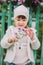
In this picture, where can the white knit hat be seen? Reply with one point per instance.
(21, 10)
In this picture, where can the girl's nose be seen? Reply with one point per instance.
(21, 21)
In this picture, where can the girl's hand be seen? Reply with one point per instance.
(30, 33)
(12, 39)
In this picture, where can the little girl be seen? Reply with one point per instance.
(20, 40)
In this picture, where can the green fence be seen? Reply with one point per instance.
(6, 20)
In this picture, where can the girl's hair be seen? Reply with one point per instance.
(22, 16)
(26, 26)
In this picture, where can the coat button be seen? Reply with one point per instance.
(19, 47)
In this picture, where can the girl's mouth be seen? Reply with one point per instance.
(20, 25)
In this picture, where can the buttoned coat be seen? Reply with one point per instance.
(10, 55)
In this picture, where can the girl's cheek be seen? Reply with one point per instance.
(25, 23)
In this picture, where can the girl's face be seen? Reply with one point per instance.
(21, 21)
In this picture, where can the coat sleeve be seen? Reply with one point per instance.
(4, 41)
(35, 44)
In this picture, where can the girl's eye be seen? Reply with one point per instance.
(18, 19)
(24, 20)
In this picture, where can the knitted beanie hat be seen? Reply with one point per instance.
(21, 10)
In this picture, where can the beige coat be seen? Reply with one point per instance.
(10, 55)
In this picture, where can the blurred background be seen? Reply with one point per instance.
(35, 21)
